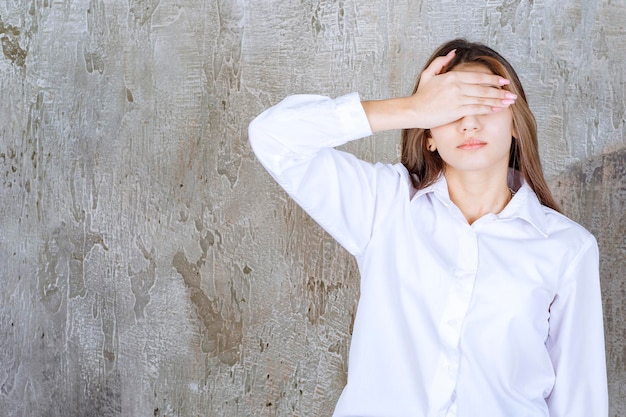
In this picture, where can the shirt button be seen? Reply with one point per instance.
(462, 274)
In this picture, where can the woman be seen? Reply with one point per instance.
(478, 298)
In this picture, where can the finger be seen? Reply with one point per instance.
(439, 63)
(480, 78)
(474, 90)
(480, 109)
(491, 103)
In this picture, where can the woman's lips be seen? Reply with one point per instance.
(472, 144)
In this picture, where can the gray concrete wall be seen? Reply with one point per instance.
(149, 265)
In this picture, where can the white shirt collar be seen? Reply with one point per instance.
(524, 205)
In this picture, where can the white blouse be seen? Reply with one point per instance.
(501, 318)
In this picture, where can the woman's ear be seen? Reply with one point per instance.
(431, 145)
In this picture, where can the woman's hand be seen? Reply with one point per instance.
(441, 99)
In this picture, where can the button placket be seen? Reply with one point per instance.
(461, 292)
(461, 285)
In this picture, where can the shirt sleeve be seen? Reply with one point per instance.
(576, 341)
(294, 141)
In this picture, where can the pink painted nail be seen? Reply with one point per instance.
(508, 102)
(504, 81)
(511, 96)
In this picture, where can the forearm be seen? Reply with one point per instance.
(390, 114)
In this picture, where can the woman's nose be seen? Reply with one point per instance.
(470, 123)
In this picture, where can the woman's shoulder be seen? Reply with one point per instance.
(567, 233)
(562, 232)
(557, 221)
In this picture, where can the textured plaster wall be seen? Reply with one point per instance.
(150, 267)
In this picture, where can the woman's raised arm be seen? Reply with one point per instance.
(440, 99)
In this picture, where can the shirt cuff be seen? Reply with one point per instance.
(352, 118)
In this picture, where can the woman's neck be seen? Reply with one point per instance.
(478, 193)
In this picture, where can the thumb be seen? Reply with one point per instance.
(438, 65)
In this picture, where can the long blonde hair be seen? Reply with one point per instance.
(524, 155)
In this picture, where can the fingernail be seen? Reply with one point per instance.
(504, 81)
(452, 52)
(496, 109)
(508, 102)
(511, 96)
